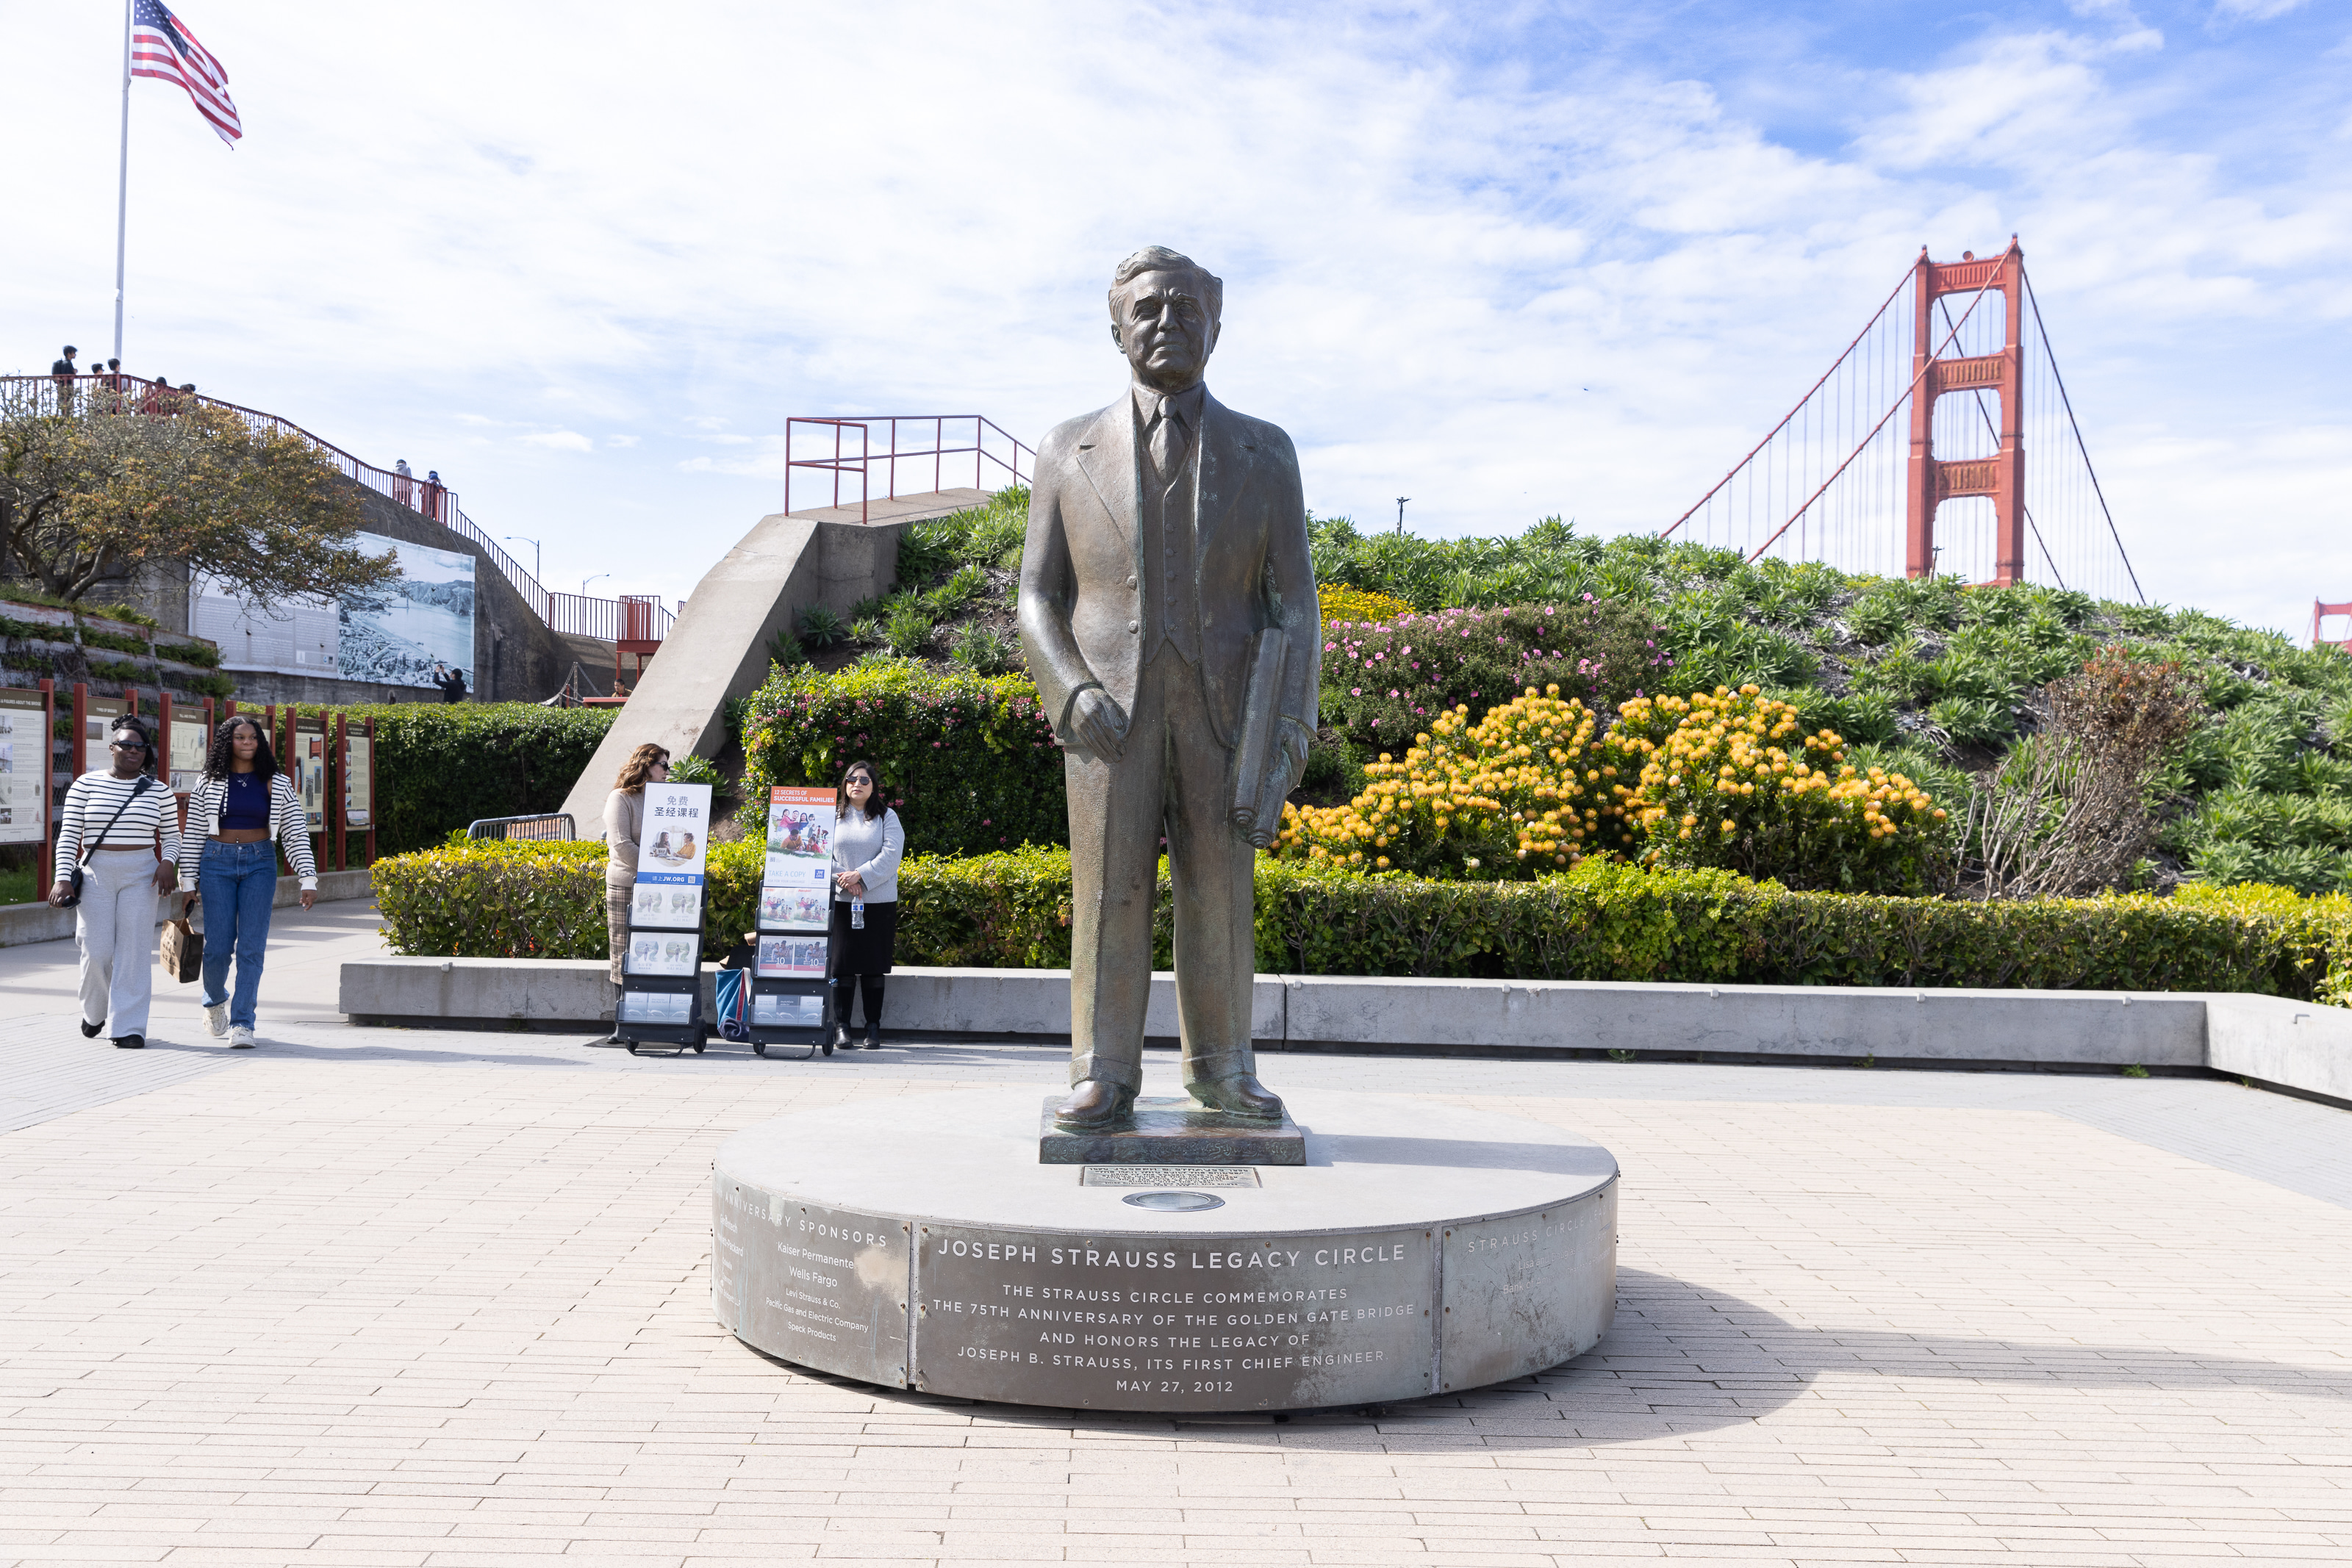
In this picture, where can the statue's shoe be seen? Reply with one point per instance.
(1237, 1095)
(1095, 1106)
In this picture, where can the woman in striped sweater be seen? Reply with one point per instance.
(242, 809)
(116, 829)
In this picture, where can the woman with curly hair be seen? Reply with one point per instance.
(624, 822)
(243, 808)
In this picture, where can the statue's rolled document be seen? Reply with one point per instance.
(1261, 768)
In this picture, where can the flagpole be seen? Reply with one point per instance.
(122, 186)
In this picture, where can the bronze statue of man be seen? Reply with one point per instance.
(1168, 612)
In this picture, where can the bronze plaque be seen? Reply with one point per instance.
(1529, 1291)
(1174, 1322)
(826, 1287)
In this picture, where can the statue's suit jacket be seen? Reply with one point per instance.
(1084, 621)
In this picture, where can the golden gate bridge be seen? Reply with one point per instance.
(1942, 441)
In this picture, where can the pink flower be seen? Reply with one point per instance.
(1355, 691)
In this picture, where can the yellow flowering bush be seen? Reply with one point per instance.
(1723, 779)
(1515, 793)
(1338, 602)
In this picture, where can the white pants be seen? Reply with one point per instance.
(114, 925)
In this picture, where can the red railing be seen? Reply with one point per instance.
(570, 612)
(990, 443)
(2321, 611)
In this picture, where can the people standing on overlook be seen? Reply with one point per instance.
(404, 488)
(245, 808)
(624, 821)
(115, 833)
(867, 844)
(62, 375)
(433, 494)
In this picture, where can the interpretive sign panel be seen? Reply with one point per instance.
(359, 781)
(1528, 1292)
(191, 740)
(829, 1285)
(1171, 1323)
(798, 876)
(23, 767)
(98, 714)
(671, 846)
(309, 766)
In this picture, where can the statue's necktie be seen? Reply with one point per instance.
(1167, 440)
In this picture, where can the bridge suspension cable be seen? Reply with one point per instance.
(1990, 458)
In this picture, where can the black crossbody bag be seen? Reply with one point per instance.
(90, 846)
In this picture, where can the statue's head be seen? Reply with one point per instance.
(1164, 309)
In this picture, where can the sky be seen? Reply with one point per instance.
(1509, 260)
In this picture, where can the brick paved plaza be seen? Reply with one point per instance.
(371, 1296)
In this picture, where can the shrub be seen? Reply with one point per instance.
(969, 761)
(1711, 789)
(908, 627)
(820, 627)
(440, 766)
(1602, 920)
(1386, 680)
(1505, 796)
(1338, 602)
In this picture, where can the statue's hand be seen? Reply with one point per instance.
(1097, 725)
(1295, 739)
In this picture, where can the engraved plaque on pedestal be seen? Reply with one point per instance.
(728, 1204)
(828, 1285)
(1529, 1291)
(1169, 1323)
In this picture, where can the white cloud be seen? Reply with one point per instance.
(631, 224)
(2255, 10)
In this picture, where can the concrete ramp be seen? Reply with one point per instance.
(718, 647)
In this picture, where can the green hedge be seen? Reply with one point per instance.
(969, 762)
(440, 766)
(1599, 921)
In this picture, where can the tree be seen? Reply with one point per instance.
(92, 496)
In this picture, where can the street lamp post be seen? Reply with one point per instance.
(527, 539)
(1401, 501)
(586, 580)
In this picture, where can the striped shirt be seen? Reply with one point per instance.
(145, 821)
(289, 824)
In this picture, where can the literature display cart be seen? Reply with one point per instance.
(661, 972)
(791, 945)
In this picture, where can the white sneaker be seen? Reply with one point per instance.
(240, 1038)
(216, 1019)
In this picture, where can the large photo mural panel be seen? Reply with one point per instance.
(396, 634)
(399, 632)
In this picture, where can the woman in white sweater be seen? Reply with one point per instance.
(241, 811)
(867, 844)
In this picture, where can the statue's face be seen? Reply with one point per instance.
(1165, 329)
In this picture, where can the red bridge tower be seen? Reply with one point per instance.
(1932, 480)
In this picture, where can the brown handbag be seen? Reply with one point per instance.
(184, 950)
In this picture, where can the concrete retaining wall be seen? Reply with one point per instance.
(2294, 1046)
(23, 923)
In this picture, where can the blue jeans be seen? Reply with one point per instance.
(238, 883)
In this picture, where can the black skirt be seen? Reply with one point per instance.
(866, 952)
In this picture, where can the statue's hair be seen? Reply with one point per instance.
(1160, 258)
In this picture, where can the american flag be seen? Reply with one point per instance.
(163, 47)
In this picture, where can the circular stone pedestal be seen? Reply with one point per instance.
(917, 1242)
